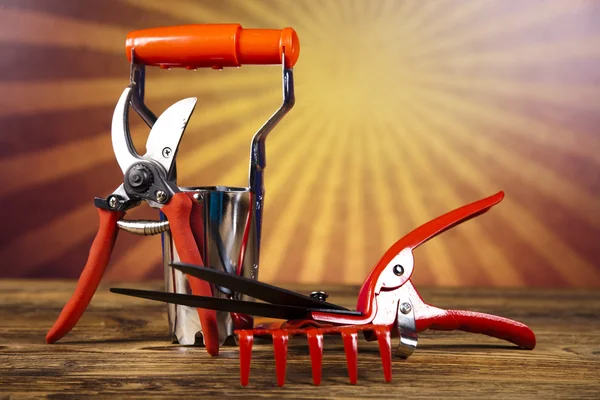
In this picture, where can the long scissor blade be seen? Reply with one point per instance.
(256, 289)
(165, 136)
(240, 306)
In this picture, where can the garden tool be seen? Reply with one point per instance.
(388, 306)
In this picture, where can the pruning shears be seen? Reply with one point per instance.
(146, 179)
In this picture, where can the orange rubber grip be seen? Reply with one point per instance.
(90, 276)
(178, 212)
(215, 46)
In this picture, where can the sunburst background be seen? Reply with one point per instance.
(405, 110)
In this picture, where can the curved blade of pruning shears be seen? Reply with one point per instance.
(165, 136)
(163, 140)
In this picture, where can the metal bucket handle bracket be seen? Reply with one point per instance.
(258, 160)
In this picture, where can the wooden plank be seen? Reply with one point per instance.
(121, 348)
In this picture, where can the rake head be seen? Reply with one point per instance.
(314, 334)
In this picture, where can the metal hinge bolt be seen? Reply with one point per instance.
(405, 308)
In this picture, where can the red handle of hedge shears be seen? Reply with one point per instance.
(474, 322)
(90, 277)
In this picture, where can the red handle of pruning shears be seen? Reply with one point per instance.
(212, 45)
(90, 277)
(178, 212)
(474, 322)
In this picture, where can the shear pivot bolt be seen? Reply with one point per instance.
(405, 308)
(140, 178)
(161, 196)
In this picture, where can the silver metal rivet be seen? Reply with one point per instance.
(112, 202)
(319, 295)
(198, 197)
(161, 196)
(398, 270)
(405, 308)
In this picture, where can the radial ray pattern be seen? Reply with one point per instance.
(404, 110)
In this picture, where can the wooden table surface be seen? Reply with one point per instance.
(121, 348)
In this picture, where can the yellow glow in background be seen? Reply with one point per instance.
(404, 111)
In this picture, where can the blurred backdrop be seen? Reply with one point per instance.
(405, 109)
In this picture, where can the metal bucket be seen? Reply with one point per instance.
(223, 221)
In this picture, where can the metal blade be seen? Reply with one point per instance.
(240, 306)
(165, 136)
(121, 138)
(256, 289)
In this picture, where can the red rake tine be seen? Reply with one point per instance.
(246, 338)
(350, 338)
(280, 348)
(385, 350)
(315, 346)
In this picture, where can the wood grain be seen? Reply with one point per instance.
(121, 348)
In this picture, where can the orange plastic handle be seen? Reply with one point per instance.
(215, 46)
(178, 212)
(90, 276)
